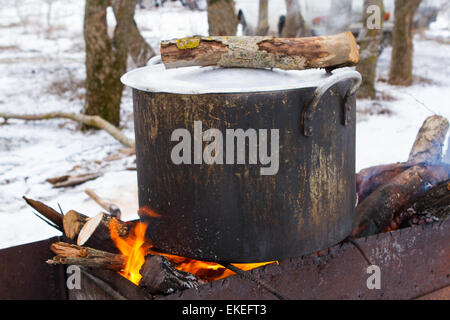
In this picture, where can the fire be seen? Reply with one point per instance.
(135, 247)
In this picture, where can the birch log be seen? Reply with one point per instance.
(262, 52)
(430, 141)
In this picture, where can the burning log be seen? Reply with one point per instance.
(158, 275)
(429, 141)
(380, 208)
(262, 52)
(370, 179)
(384, 192)
(434, 205)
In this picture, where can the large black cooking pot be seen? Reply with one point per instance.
(231, 212)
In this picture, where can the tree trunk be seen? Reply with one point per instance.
(106, 58)
(139, 50)
(370, 40)
(402, 42)
(263, 18)
(222, 18)
(295, 24)
(339, 19)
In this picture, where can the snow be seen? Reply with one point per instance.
(41, 67)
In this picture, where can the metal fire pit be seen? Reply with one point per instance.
(231, 212)
(414, 264)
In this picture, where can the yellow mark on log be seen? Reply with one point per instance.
(188, 43)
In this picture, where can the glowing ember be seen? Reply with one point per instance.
(135, 248)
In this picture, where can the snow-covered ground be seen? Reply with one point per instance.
(41, 67)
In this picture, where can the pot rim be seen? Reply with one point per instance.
(206, 80)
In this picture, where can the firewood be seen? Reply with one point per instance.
(52, 215)
(434, 205)
(380, 208)
(262, 52)
(429, 141)
(70, 254)
(96, 232)
(159, 276)
(113, 209)
(369, 179)
(73, 222)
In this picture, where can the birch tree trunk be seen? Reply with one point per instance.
(222, 18)
(402, 42)
(263, 18)
(295, 24)
(106, 58)
(370, 40)
(339, 17)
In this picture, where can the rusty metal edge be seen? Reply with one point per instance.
(414, 262)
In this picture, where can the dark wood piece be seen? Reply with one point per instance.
(370, 179)
(159, 276)
(378, 210)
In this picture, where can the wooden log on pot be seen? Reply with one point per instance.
(262, 52)
(429, 141)
(159, 276)
(379, 209)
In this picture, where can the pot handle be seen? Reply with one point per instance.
(154, 60)
(309, 111)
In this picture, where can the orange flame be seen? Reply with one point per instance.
(134, 247)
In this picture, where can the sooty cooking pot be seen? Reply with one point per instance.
(234, 212)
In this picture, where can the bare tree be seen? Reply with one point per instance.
(339, 17)
(263, 18)
(139, 50)
(222, 18)
(106, 58)
(295, 24)
(402, 42)
(370, 40)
